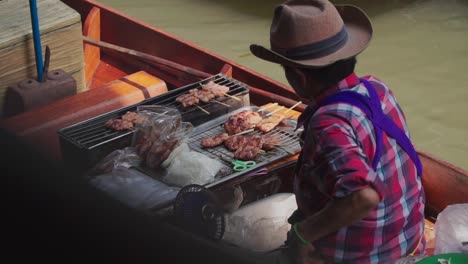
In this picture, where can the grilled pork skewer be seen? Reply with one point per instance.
(126, 121)
(241, 121)
(216, 89)
(211, 142)
(187, 100)
(207, 93)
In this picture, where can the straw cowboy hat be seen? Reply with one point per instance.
(315, 33)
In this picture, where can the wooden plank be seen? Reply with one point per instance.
(92, 54)
(15, 19)
(39, 128)
(60, 28)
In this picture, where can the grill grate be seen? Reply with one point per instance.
(289, 144)
(85, 143)
(93, 133)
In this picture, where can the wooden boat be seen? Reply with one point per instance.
(443, 182)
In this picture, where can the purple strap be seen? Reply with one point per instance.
(372, 108)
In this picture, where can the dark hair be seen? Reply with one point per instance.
(333, 73)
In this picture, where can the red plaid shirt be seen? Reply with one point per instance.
(338, 148)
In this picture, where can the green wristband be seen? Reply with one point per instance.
(303, 241)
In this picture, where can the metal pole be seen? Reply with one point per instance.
(37, 39)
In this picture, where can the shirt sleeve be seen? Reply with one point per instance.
(339, 156)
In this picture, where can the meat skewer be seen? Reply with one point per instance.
(233, 97)
(119, 124)
(126, 121)
(292, 107)
(135, 118)
(266, 107)
(187, 100)
(241, 121)
(247, 153)
(211, 142)
(270, 142)
(274, 111)
(268, 124)
(218, 102)
(207, 93)
(201, 108)
(235, 142)
(203, 95)
(216, 89)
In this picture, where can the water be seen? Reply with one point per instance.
(419, 48)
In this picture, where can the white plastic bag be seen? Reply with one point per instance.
(135, 189)
(121, 158)
(451, 230)
(262, 225)
(184, 167)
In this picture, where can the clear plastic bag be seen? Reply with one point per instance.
(451, 230)
(156, 138)
(121, 158)
(135, 189)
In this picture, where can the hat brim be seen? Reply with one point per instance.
(359, 30)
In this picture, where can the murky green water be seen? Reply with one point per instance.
(420, 49)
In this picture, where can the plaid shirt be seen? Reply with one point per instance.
(338, 148)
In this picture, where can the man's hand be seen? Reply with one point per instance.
(307, 254)
(300, 253)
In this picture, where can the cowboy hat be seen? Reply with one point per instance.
(315, 33)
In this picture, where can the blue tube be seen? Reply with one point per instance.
(37, 39)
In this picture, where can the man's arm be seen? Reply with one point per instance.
(338, 213)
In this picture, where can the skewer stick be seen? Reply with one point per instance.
(266, 107)
(233, 97)
(216, 101)
(201, 108)
(244, 132)
(292, 107)
(268, 120)
(274, 111)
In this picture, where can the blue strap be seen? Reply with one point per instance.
(372, 108)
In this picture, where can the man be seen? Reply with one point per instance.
(357, 182)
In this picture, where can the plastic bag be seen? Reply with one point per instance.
(262, 225)
(184, 167)
(159, 135)
(135, 189)
(451, 230)
(121, 158)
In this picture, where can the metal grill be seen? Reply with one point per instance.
(92, 132)
(289, 145)
(80, 140)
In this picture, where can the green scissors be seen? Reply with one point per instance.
(239, 165)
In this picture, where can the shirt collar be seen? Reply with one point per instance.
(348, 82)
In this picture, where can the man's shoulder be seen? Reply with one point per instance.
(374, 80)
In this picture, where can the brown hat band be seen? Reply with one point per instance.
(317, 49)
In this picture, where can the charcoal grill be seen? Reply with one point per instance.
(85, 143)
